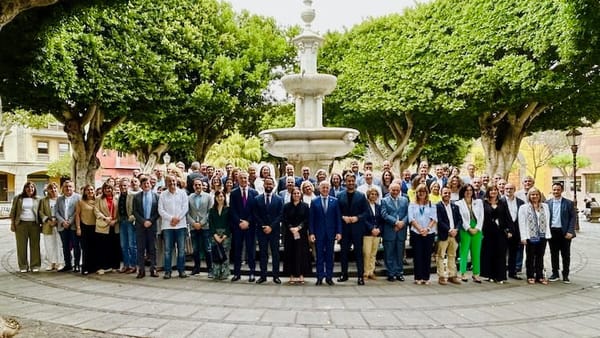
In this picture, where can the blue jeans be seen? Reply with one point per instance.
(128, 243)
(174, 237)
(201, 243)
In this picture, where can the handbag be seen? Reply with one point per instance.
(218, 253)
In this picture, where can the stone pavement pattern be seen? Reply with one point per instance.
(56, 304)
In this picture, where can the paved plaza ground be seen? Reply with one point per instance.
(114, 305)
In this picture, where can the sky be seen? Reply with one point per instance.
(331, 14)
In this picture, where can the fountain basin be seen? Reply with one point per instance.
(309, 144)
(309, 84)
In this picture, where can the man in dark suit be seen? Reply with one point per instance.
(267, 212)
(289, 172)
(562, 226)
(449, 222)
(243, 229)
(394, 210)
(354, 208)
(511, 220)
(145, 211)
(325, 225)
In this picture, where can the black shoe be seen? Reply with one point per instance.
(260, 280)
(276, 280)
(361, 281)
(66, 269)
(329, 281)
(251, 279)
(195, 272)
(400, 278)
(235, 278)
(566, 280)
(141, 275)
(167, 275)
(319, 282)
(391, 279)
(182, 275)
(554, 277)
(77, 269)
(343, 278)
(517, 277)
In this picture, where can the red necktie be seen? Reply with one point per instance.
(244, 197)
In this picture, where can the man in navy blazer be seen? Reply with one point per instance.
(562, 226)
(243, 229)
(511, 224)
(267, 212)
(145, 211)
(354, 208)
(325, 224)
(449, 222)
(394, 210)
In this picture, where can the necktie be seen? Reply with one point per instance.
(147, 205)
(324, 204)
(268, 200)
(244, 197)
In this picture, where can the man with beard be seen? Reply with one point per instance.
(267, 211)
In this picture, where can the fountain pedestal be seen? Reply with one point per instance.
(308, 143)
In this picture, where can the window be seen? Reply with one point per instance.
(42, 147)
(592, 183)
(64, 148)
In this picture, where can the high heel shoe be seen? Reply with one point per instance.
(476, 280)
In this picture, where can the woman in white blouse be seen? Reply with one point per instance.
(534, 227)
(471, 211)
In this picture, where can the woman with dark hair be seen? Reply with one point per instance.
(336, 184)
(387, 177)
(25, 224)
(455, 183)
(471, 211)
(221, 234)
(264, 172)
(534, 227)
(229, 185)
(85, 220)
(295, 225)
(52, 242)
(215, 184)
(107, 230)
(494, 243)
(422, 216)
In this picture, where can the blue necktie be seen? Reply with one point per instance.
(147, 205)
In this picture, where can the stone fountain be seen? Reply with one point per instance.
(308, 143)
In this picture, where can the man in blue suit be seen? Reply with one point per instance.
(355, 209)
(394, 210)
(267, 212)
(325, 226)
(562, 226)
(145, 211)
(243, 229)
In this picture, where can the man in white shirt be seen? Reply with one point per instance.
(172, 208)
(449, 221)
(369, 183)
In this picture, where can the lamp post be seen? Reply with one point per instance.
(574, 136)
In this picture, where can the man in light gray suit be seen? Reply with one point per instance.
(197, 220)
(65, 216)
(394, 210)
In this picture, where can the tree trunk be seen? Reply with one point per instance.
(9, 9)
(501, 136)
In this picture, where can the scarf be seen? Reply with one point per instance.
(536, 225)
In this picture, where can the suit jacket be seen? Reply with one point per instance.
(200, 214)
(45, 215)
(325, 225)
(511, 226)
(373, 220)
(477, 206)
(567, 215)
(101, 210)
(138, 210)
(59, 211)
(128, 206)
(237, 211)
(443, 225)
(267, 215)
(281, 183)
(391, 214)
(17, 208)
(358, 208)
(333, 192)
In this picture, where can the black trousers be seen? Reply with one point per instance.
(146, 245)
(534, 263)
(560, 246)
(352, 236)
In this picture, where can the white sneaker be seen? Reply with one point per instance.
(35, 270)
(100, 272)
(49, 268)
(23, 270)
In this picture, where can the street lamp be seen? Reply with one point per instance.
(574, 136)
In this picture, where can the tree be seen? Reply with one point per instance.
(9, 9)
(495, 69)
(93, 66)
(21, 118)
(236, 149)
(60, 167)
(542, 147)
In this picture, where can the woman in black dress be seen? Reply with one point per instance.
(494, 244)
(295, 225)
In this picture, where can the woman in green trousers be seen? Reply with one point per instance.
(471, 211)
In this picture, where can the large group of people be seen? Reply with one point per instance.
(473, 223)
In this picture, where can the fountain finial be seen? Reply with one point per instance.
(308, 14)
